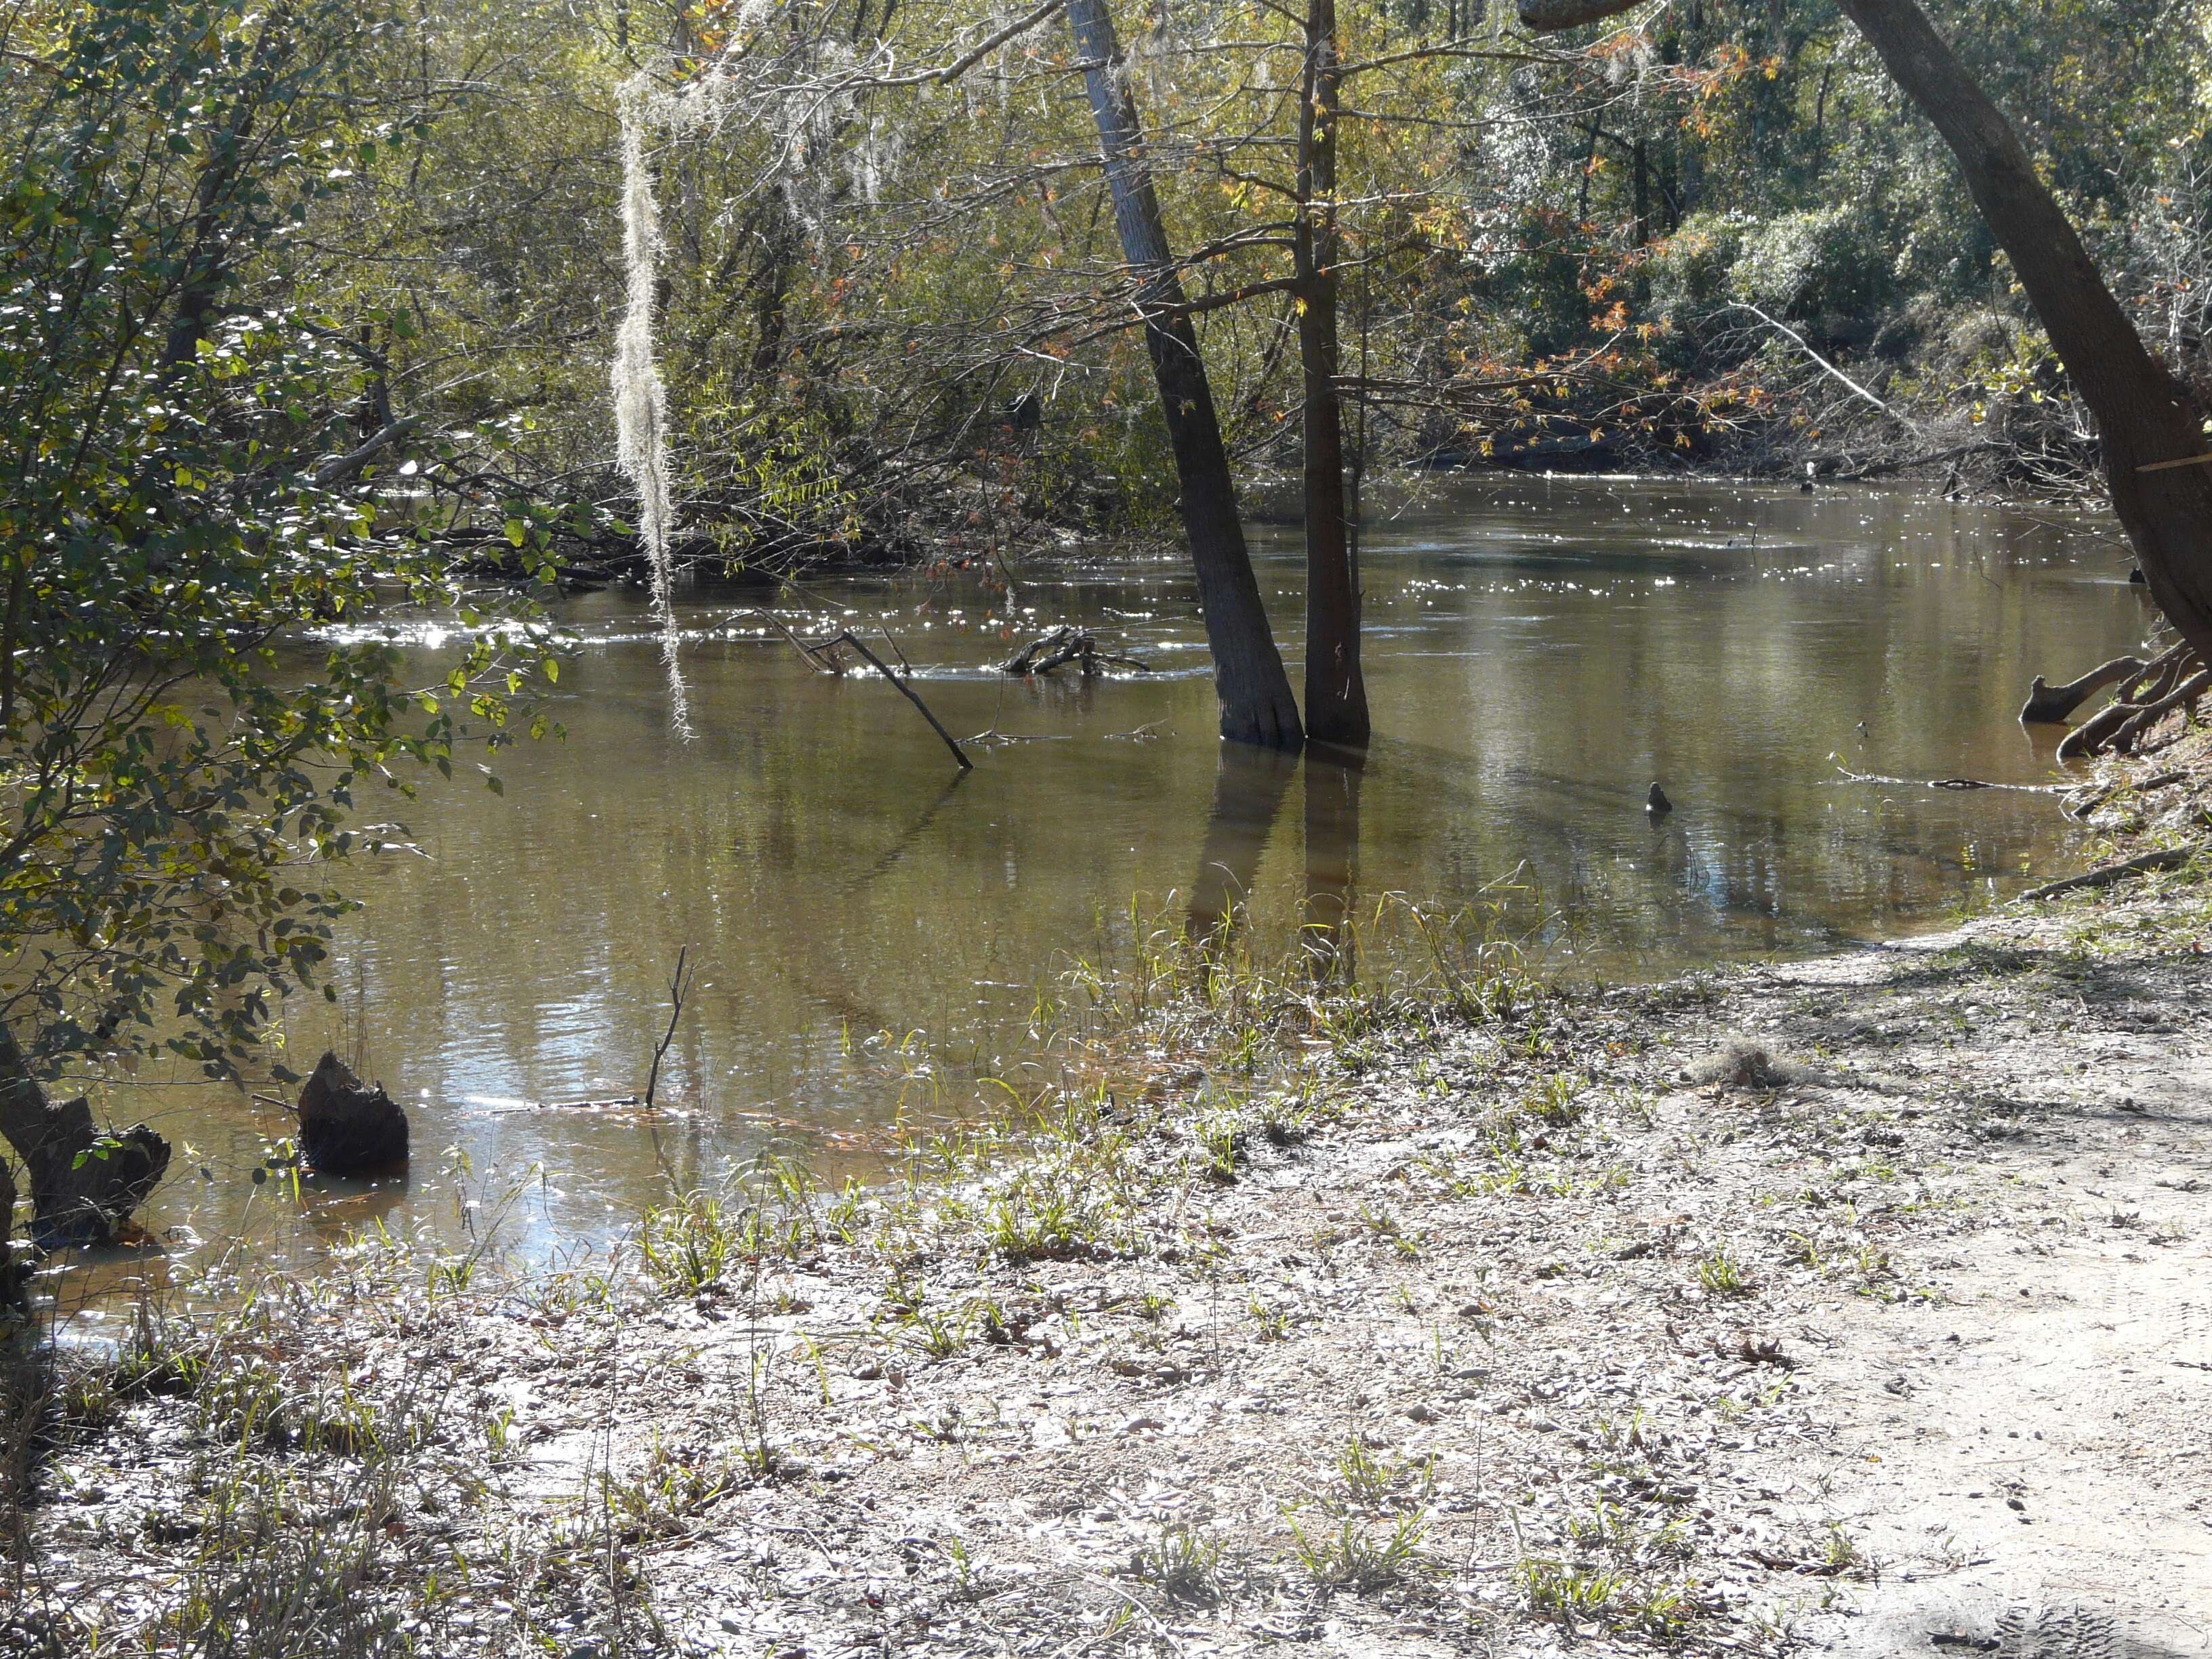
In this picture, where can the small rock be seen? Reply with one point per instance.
(346, 1127)
(1421, 1413)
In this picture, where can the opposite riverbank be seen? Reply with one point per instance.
(1850, 1305)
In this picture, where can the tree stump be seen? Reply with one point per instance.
(85, 1184)
(347, 1127)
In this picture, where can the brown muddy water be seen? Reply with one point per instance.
(1539, 653)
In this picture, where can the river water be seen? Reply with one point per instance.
(1540, 652)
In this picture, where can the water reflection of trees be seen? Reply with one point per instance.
(1249, 790)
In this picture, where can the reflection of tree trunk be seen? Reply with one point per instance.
(1247, 798)
(81, 1190)
(1336, 693)
(1332, 859)
(1257, 705)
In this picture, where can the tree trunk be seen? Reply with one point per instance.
(2144, 415)
(1336, 693)
(1254, 692)
(11, 1277)
(83, 1185)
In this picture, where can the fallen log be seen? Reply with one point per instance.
(2050, 705)
(2167, 858)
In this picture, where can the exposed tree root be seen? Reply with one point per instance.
(2050, 705)
(85, 1183)
(2176, 679)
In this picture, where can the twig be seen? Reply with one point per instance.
(679, 987)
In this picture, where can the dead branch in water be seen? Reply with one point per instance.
(1065, 644)
(1850, 776)
(822, 653)
(679, 987)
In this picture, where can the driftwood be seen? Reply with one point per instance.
(2050, 705)
(2167, 858)
(1065, 645)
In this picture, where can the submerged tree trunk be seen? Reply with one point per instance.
(1256, 704)
(2145, 418)
(1336, 693)
(84, 1185)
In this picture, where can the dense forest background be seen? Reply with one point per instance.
(885, 288)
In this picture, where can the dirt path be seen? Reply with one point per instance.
(2031, 1457)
